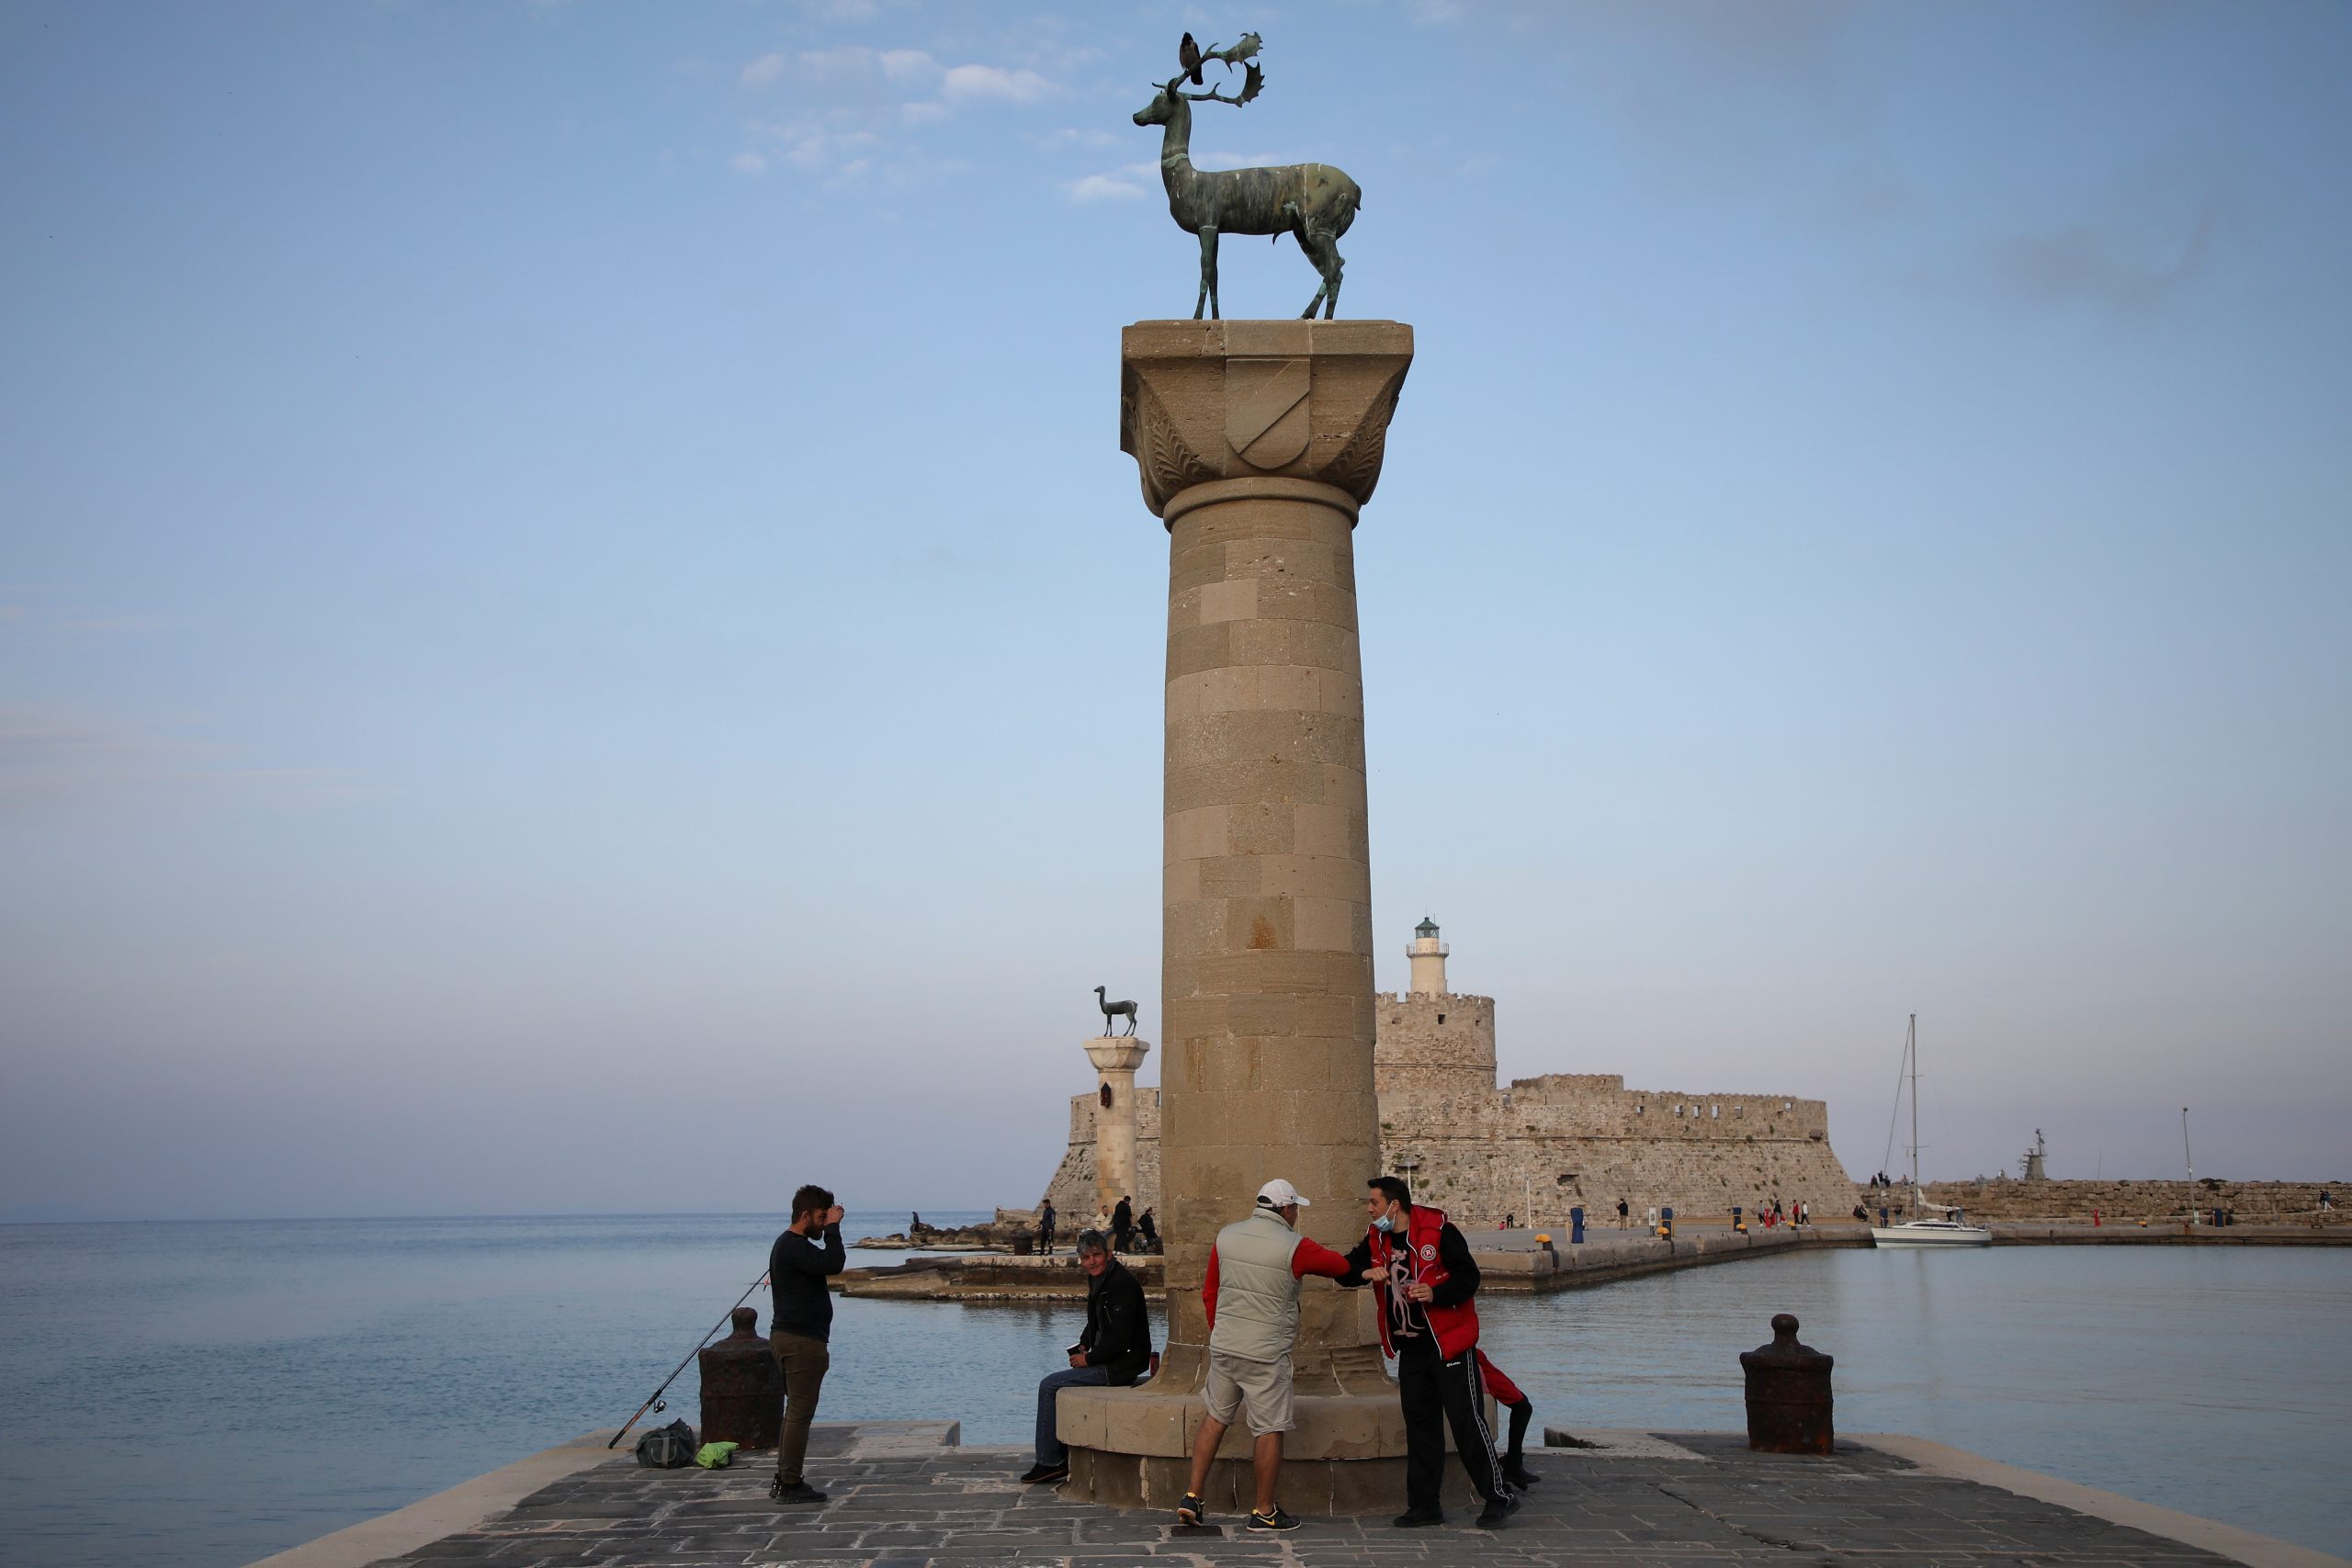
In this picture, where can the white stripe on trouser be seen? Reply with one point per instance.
(1478, 1414)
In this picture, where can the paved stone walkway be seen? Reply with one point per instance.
(899, 1501)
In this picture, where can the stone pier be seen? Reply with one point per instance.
(1258, 442)
(1115, 1059)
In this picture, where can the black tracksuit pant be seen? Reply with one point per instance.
(1434, 1393)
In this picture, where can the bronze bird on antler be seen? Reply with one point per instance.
(1313, 203)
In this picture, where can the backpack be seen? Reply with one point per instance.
(672, 1447)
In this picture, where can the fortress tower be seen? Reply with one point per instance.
(1433, 1045)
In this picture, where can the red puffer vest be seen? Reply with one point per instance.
(1456, 1326)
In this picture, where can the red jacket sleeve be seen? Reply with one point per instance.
(1208, 1289)
(1311, 1256)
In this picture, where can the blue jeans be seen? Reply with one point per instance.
(1049, 1443)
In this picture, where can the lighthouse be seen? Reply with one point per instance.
(1427, 955)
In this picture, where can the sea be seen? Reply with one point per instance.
(201, 1394)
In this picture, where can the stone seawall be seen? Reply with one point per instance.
(2127, 1203)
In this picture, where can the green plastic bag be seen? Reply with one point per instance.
(716, 1456)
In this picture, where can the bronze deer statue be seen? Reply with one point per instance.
(1313, 202)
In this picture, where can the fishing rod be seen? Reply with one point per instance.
(654, 1402)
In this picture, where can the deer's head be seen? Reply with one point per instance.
(1162, 107)
(1166, 97)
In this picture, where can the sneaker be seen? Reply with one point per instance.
(1037, 1474)
(1493, 1515)
(1518, 1474)
(1279, 1519)
(794, 1491)
(1191, 1510)
(1414, 1518)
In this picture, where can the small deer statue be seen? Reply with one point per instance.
(1112, 1009)
(1313, 202)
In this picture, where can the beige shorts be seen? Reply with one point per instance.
(1260, 1391)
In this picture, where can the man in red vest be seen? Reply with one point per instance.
(1428, 1322)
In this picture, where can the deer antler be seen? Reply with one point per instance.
(1247, 49)
(1250, 85)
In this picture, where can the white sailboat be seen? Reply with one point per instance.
(1952, 1229)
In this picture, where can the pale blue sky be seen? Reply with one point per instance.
(576, 637)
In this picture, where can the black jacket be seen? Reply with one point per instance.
(798, 1269)
(1118, 1326)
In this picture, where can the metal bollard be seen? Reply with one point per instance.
(743, 1389)
(1788, 1394)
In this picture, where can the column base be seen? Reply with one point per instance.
(1131, 1447)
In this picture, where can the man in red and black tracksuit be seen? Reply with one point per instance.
(1429, 1321)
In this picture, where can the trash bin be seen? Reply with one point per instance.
(1738, 1223)
(1666, 1224)
(1576, 1228)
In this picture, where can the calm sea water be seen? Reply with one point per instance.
(198, 1395)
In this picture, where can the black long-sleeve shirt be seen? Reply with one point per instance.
(798, 1269)
(1409, 1319)
(1118, 1325)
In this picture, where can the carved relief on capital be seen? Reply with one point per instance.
(1163, 461)
(1203, 401)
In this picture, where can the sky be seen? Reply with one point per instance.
(574, 635)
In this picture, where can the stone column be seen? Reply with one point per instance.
(1258, 442)
(1115, 1059)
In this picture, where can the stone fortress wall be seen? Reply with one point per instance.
(1539, 1146)
(1072, 1187)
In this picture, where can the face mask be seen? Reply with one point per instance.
(1385, 1222)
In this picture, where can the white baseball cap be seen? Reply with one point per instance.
(1280, 1194)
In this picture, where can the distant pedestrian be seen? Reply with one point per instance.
(1251, 1298)
(800, 1327)
(1149, 1230)
(1123, 1225)
(1046, 1228)
(1113, 1351)
(1621, 1213)
(2325, 1202)
(1511, 1223)
(915, 1227)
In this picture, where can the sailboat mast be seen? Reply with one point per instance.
(1918, 1199)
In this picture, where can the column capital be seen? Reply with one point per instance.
(1206, 402)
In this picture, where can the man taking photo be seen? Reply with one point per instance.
(1428, 1322)
(804, 1258)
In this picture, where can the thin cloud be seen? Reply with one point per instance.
(54, 757)
(2123, 265)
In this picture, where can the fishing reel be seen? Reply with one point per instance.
(660, 1406)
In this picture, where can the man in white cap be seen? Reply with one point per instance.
(1251, 1296)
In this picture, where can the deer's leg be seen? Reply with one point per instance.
(1317, 246)
(1208, 273)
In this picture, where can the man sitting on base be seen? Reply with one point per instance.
(1112, 1351)
(1251, 1297)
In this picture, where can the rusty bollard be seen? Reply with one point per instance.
(1788, 1394)
(742, 1392)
